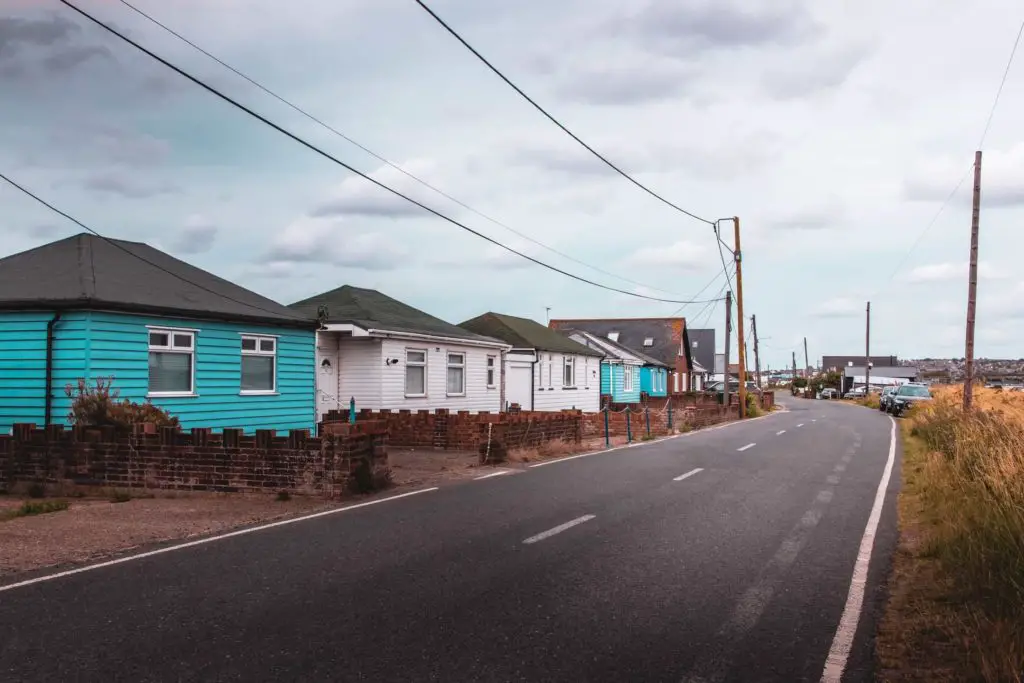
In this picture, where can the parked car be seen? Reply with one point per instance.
(858, 392)
(886, 398)
(829, 394)
(908, 396)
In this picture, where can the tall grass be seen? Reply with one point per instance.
(972, 487)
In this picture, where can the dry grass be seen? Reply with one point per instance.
(957, 604)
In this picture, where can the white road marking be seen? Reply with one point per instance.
(210, 539)
(800, 425)
(814, 419)
(780, 432)
(558, 529)
(842, 643)
(743, 448)
(689, 474)
(832, 479)
(493, 474)
(841, 467)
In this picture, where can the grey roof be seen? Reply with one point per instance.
(371, 309)
(704, 353)
(620, 350)
(523, 333)
(89, 272)
(900, 371)
(667, 334)
(840, 362)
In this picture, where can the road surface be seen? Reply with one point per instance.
(721, 555)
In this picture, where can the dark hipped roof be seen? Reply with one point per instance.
(523, 333)
(89, 272)
(619, 349)
(370, 309)
(666, 333)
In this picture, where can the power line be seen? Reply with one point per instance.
(999, 92)
(352, 169)
(112, 243)
(718, 238)
(710, 282)
(554, 120)
(380, 157)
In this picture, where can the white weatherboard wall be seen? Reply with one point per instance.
(478, 395)
(360, 369)
(551, 395)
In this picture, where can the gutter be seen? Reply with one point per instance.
(48, 396)
(390, 334)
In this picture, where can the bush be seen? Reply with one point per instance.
(753, 405)
(99, 406)
(36, 490)
(121, 496)
(29, 508)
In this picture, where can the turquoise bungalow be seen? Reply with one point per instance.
(653, 376)
(621, 369)
(210, 352)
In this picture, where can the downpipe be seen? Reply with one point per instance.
(48, 400)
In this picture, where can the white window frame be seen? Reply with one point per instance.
(492, 372)
(416, 364)
(627, 378)
(259, 339)
(448, 365)
(171, 347)
(569, 367)
(551, 371)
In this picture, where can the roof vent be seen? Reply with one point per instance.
(614, 336)
(649, 341)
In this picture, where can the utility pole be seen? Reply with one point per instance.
(867, 353)
(728, 332)
(757, 356)
(791, 384)
(972, 287)
(741, 346)
(807, 360)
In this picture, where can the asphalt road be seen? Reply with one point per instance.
(691, 559)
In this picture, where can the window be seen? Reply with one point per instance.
(456, 374)
(694, 344)
(627, 378)
(648, 341)
(415, 372)
(614, 336)
(551, 370)
(259, 364)
(491, 363)
(171, 362)
(569, 372)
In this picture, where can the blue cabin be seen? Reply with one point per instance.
(210, 352)
(654, 379)
(621, 369)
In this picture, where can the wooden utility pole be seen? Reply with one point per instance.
(742, 350)
(793, 381)
(867, 352)
(807, 360)
(728, 333)
(972, 287)
(757, 356)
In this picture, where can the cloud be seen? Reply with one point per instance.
(74, 56)
(681, 254)
(123, 185)
(197, 236)
(624, 86)
(1002, 179)
(357, 196)
(814, 73)
(817, 218)
(102, 143)
(839, 307)
(946, 272)
(491, 257)
(16, 32)
(318, 240)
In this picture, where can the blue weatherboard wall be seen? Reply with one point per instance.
(95, 344)
(654, 381)
(612, 382)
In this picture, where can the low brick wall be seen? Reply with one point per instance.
(345, 457)
(527, 430)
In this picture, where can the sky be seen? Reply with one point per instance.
(834, 130)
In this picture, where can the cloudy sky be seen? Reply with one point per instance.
(835, 130)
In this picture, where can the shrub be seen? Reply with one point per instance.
(283, 496)
(753, 405)
(99, 405)
(36, 490)
(42, 507)
(121, 497)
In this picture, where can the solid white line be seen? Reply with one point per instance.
(749, 445)
(689, 474)
(839, 653)
(780, 432)
(814, 419)
(211, 539)
(559, 529)
(492, 474)
(800, 425)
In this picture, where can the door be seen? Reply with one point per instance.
(519, 385)
(327, 383)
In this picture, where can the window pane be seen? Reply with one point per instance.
(490, 361)
(257, 373)
(183, 341)
(455, 380)
(415, 376)
(248, 344)
(416, 356)
(158, 339)
(490, 377)
(170, 372)
(267, 345)
(455, 358)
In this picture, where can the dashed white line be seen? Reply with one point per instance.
(210, 539)
(814, 419)
(743, 448)
(800, 425)
(839, 653)
(692, 472)
(780, 432)
(558, 529)
(493, 474)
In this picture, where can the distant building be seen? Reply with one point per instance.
(837, 363)
(881, 375)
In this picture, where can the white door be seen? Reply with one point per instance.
(327, 383)
(518, 385)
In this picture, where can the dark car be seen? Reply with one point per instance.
(908, 396)
(886, 398)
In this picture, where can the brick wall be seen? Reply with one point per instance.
(344, 457)
(428, 429)
(527, 430)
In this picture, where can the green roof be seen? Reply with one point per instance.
(372, 310)
(523, 333)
